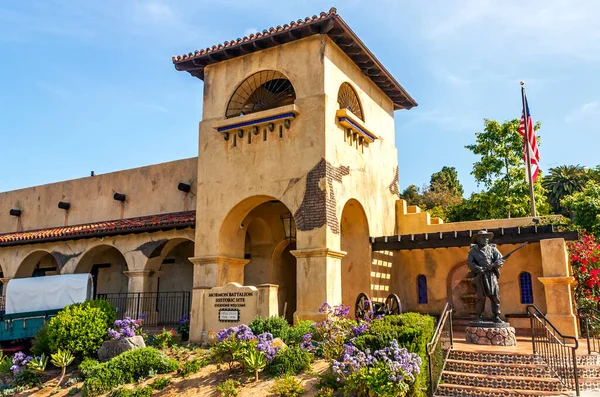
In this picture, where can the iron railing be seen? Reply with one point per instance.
(157, 308)
(439, 348)
(555, 349)
(590, 326)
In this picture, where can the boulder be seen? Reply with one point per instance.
(112, 348)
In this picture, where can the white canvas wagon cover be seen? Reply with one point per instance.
(47, 293)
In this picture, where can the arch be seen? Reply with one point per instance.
(356, 264)
(107, 265)
(526, 288)
(348, 99)
(460, 289)
(262, 90)
(422, 289)
(233, 230)
(40, 262)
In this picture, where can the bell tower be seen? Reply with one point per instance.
(299, 116)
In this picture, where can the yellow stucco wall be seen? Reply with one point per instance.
(150, 190)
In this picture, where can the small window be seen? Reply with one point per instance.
(526, 288)
(348, 99)
(421, 289)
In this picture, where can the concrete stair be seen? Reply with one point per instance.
(492, 374)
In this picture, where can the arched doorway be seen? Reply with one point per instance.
(38, 264)
(265, 236)
(107, 265)
(356, 265)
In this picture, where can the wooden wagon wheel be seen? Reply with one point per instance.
(392, 305)
(363, 306)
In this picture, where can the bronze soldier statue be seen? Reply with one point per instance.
(485, 262)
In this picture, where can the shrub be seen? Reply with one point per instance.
(385, 372)
(121, 392)
(412, 331)
(73, 391)
(229, 388)
(106, 307)
(294, 334)
(191, 367)
(183, 329)
(164, 339)
(160, 383)
(145, 391)
(81, 329)
(276, 326)
(325, 392)
(127, 368)
(288, 386)
(233, 344)
(41, 342)
(87, 366)
(292, 361)
(27, 378)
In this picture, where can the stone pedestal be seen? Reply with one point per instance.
(491, 334)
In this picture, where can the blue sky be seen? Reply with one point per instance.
(89, 85)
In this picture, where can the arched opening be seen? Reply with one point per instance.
(256, 230)
(526, 288)
(356, 265)
(175, 282)
(38, 264)
(263, 90)
(107, 265)
(348, 99)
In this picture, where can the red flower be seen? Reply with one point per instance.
(590, 283)
(585, 262)
(596, 298)
(594, 259)
(583, 269)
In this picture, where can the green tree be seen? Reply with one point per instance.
(443, 191)
(501, 170)
(563, 181)
(585, 207)
(447, 180)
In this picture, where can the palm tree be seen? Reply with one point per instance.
(562, 181)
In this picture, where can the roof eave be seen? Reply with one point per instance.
(334, 26)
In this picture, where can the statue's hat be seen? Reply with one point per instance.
(482, 233)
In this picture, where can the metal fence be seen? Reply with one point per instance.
(157, 308)
(439, 348)
(554, 348)
(590, 328)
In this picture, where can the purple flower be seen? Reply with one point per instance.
(360, 329)
(241, 333)
(125, 328)
(325, 308)
(265, 345)
(341, 311)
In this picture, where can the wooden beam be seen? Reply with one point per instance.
(513, 235)
(336, 32)
(327, 26)
(344, 41)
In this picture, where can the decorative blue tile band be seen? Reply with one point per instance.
(259, 121)
(347, 120)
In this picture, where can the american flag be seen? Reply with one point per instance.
(530, 143)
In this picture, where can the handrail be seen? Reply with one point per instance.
(437, 349)
(585, 314)
(552, 346)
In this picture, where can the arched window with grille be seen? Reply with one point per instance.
(526, 288)
(267, 89)
(421, 289)
(348, 99)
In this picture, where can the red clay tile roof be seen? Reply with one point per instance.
(142, 224)
(329, 23)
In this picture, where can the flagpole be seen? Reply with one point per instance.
(528, 151)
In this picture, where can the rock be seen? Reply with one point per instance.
(498, 340)
(279, 343)
(112, 348)
(484, 341)
(481, 332)
(497, 336)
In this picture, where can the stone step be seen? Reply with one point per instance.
(505, 369)
(589, 383)
(494, 357)
(453, 390)
(502, 381)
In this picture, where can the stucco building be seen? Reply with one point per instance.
(295, 185)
